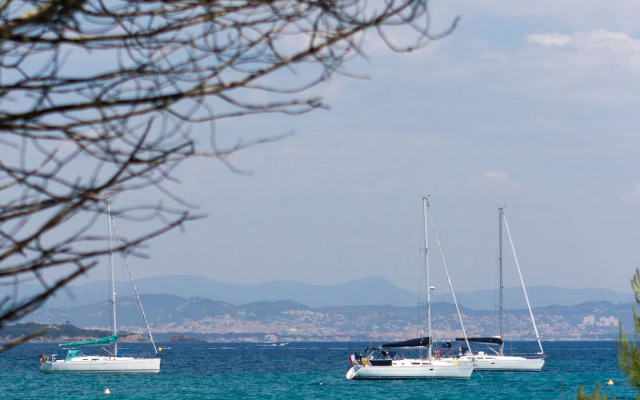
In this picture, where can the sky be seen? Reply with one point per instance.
(529, 105)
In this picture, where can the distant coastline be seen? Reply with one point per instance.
(288, 311)
(61, 333)
(69, 333)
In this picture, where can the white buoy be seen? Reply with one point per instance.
(107, 391)
(610, 382)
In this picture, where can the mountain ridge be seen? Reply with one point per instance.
(359, 292)
(295, 321)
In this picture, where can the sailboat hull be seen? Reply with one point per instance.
(503, 363)
(103, 364)
(411, 369)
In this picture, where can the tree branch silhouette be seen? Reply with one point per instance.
(106, 98)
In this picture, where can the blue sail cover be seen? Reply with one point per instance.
(104, 340)
(488, 340)
(417, 342)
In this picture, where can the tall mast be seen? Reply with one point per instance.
(425, 204)
(500, 216)
(112, 297)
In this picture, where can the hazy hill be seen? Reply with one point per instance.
(159, 309)
(60, 333)
(539, 296)
(174, 310)
(378, 292)
(214, 319)
(438, 307)
(266, 309)
(163, 310)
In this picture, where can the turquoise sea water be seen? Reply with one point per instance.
(306, 371)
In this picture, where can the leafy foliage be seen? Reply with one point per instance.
(628, 355)
(596, 395)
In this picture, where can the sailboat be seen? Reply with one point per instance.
(383, 363)
(77, 361)
(497, 360)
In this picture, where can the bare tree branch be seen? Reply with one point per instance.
(23, 339)
(100, 98)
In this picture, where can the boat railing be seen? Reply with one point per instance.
(526, 354)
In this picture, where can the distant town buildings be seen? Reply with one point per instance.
(590, 320)
(273, 321)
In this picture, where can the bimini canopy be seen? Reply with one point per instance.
(104, 340)
(488, 340)
(417, 342)
(74, 353)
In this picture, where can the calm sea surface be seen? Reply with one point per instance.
(306, 371)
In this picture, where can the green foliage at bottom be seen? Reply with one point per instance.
(628, 354)
(596, 395)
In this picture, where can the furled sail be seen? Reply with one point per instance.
(417, 342)
(489, 340)
(104, 340)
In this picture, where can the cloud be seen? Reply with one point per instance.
(575, 14)
(592, 68)
(597, 67)
(553, 39)
(633, 196)
(497, 182)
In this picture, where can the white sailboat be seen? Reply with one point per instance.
(382, 363)
(77, 361)
(497, 360)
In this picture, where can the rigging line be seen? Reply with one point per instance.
(446, 270)
(479, 264)
(135, 289)
(526, 297)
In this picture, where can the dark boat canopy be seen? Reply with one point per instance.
(489, 340)
(417, 342)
